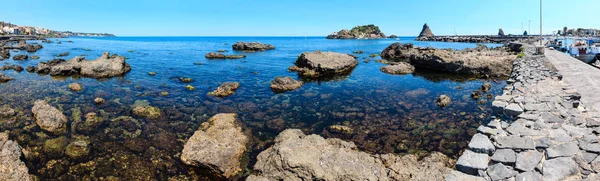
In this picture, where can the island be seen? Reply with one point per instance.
(359, 32)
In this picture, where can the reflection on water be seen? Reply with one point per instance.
(388, 113)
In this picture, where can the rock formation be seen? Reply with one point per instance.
(213, 55)
(218, 145)
(319, 64)
(225, 89)
(426, 32)
(398, 68)
(296, 156)
(392, 36)
(11, 166)
(500, 32)
(283, 84)
(20, 57)
(49, 118)
(4, 78)
(105, 66)
(252, 46)
(358, 32)
(481, 61)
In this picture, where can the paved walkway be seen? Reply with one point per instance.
(581, 76)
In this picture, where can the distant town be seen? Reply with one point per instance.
(7, 28)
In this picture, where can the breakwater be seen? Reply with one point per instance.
(542, 130)
(475, 38)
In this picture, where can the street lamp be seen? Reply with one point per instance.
(541, 22)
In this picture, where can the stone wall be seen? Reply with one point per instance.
(541, 131)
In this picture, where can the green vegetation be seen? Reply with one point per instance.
(369, 29)
(520, 55)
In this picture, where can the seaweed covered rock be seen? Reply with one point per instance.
(49, 118)
(213, 55)
(252, 46)
(283, 84)
(319, 64)
(20, 57)
(296, 156)
(105, 66)
(149, 112)
(218, 145)
(358, 32)
(398, 68)
(225, 89)
(11, 166)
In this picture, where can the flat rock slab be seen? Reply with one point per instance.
(513, 109)
(515, 142)
(481, 144)
(559, 168)
(459, 176)
(527, 160)
(505, 156)
(529, 176)
(500, 171)
(470, 162)
(562, 150)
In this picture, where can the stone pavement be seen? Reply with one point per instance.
(581, 76)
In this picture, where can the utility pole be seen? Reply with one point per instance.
(541, 23)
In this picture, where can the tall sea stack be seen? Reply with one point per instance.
(426, 32)
(500, 32)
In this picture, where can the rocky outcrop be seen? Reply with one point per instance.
(213, 55)
(500, 32)
(23, 45)
(425, 32)
(105, 66)
(252, 46)
(49, 118)
(225, 89)
(321, 64)
(392, 36)
(20, 57)
(398, 68)
(358, 32)
(11, 166)
(284, 84)
(481, 61)
(16, 68)
(218, 145)
(296, 156)
(4, 78)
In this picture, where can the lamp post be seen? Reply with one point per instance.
(541, 22)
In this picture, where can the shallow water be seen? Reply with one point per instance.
(389, 113)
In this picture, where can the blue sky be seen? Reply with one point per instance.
(297, 17)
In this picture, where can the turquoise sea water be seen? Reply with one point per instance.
(388, 113)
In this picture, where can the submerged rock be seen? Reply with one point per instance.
(255, 46)
(4, 78)
(443, 100)
(99, 100)
(35, 57)
(225, 89)
(296, 156)
(49, 118)
(340, 129)
(147, 111)
(78, 149)
(213, 55)
(76, 87)
(20, 57)
(398, 68)
(63, 54)
(11, 166)
(358, 32)
(6, 111)
(55, 147)
(218, 145)
(318, 64)
(30, 69)
(283, 84)
(105, 66)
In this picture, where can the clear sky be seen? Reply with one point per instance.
(297, 17)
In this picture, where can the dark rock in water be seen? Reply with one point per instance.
(500, 32)
(16, 68)
(318, 64)
(476, 94)
(20, 57)
(213, 55)
(12, 168)
(443, 100)
(4, 54)
(105, 66)
(284, 84)
(49, 118)
(4, 78)
(255, 46)
(359, 32)
(296, 156)
(225, 89)
(481, 61)
(486, 87)
(426, 32)
(392, 36)
(63, 54)
(398, 68)
(218, 145)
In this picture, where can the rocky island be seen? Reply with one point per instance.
(359, 32)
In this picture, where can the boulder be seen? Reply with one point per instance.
(500, 171)
(213, 55)
(4, 78)
(358, 32)
(105, 66)
(321, 64)
(471, 162)
(11, 166)
(397, 51)
(219, 144)
(481, 143)
(20, 57)
(559, 168)
(225, 89)
(443, 100)
(426, 32)
(99, 100)
(76, 87)
(398, 68)
(296, 156)
(528, 160)
(284, 84)
(252, 46)
(49, 118)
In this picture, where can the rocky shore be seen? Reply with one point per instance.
(481, 61)
(11, 166)
(358, 32)
(500, 39)
(105, 66)
(542, 131)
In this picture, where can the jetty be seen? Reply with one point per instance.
(476, 38)
(546, 124)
